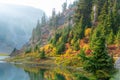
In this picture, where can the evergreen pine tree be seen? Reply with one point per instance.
(103, 13)
(106, 20)
(82, 17)
(54, 18)
(79, 29)
(100, 63)
(76, 45)
(84, 9)
(60, 47)
(42, 54)
(43, 20)
(116, 16)
(100, 4)
(64, 6)
(55, 39)
(118, 39)
(110, 38)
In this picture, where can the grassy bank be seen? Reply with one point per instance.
(3, 54)
(48, 61)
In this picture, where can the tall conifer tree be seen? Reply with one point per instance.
(100, 63)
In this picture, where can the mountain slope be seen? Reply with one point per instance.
(16, 24)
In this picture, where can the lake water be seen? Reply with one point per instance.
(21, 72)
(29, 72)
(3, 57)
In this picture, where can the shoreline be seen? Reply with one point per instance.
(44, 63)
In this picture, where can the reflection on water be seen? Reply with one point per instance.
(47, 75)
(55, 73)
(22, 72)
(27, 72)
(10, 72)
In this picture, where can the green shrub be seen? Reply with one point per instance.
(42, 54)
(28, 50)
(60, 48)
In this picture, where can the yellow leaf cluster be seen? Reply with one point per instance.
(86, 47)
(72, 41)
(60, 39)
(87, 32)
(68, 52)
(49, 49)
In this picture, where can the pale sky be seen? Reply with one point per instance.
(46, 5)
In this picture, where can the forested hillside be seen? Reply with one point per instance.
(47, 28)
(90, 16)
(68, 32)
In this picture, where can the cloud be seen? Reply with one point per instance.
(46, 5)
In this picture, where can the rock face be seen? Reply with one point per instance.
(117, 63)
(15, 52)
(41, 34)
(16, 25)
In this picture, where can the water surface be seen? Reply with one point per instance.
(29, 72)
(3, 57)
(11, 72)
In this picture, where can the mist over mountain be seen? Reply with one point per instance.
(16, 24)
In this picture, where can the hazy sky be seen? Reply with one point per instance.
(46, 5)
